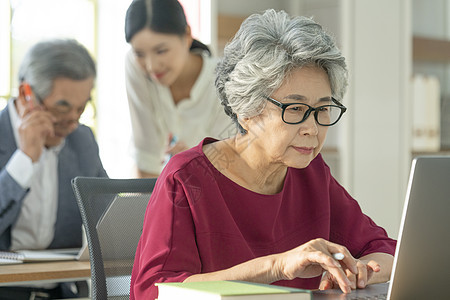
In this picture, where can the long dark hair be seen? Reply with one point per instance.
(163, 16)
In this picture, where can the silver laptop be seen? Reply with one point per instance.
(422, 261)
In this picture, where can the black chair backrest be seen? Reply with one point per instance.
(112, 211)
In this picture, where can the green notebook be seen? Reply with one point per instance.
(229, 290)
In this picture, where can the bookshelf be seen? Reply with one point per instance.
(432, 56)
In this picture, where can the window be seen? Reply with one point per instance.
(5, 53)
(198, 15)
(25, 22)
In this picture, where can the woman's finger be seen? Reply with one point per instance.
(344, 256)
(328, 263)
(327, 281)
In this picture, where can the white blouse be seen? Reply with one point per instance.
(154, 114)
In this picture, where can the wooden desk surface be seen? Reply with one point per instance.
(54, 271)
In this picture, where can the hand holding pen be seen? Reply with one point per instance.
(175, 146)
(36, 124)
(27, 92)
(358, 280)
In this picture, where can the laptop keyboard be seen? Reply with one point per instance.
(375, 297)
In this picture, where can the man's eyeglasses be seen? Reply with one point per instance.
(60, 108)
(296, 113)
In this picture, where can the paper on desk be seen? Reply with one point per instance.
(48, 255)
(6, 261)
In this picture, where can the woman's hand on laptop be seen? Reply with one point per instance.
(372, 268)
(358, 280)
(313, 258)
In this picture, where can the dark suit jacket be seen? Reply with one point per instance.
(78, 157)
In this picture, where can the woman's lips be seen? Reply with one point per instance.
(159, 75)
(304, 150)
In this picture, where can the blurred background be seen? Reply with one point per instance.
(398, 54)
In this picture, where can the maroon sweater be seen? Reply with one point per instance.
(200, 221)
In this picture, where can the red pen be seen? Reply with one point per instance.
(27, 92)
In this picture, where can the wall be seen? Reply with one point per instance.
(245, 8)
(376, 156)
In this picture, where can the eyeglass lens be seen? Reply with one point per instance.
(325, 115)
(64, 108)
(60, 109)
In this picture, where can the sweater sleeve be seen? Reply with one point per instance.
(352, 228)
(167, 251)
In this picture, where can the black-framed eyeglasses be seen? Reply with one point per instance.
(296, 113)
(61, 107)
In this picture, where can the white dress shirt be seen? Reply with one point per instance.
(34, 228)
(154, 114)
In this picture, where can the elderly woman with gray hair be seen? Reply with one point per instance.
(263, 206)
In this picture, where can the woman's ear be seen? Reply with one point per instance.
(243, 122)
(188, 35)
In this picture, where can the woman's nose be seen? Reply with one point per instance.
(148, 64)
(151, 63)
(309, 126)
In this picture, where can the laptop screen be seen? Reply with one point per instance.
(422, 264)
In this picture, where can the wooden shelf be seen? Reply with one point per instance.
(444, 152)
(227, 26)
(431, 50)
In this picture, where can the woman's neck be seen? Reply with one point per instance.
(181, 88)
(242, 162)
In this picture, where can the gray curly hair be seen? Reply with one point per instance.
(264, 51)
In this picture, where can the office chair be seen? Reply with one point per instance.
(112, 211)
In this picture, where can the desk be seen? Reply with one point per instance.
(44, 271)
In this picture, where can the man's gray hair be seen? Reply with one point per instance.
(52, 59)
(264, 51)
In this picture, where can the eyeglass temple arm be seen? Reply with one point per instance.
(338, 103)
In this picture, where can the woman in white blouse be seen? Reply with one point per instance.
(170, 85)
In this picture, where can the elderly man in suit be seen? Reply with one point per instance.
(42, 148)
